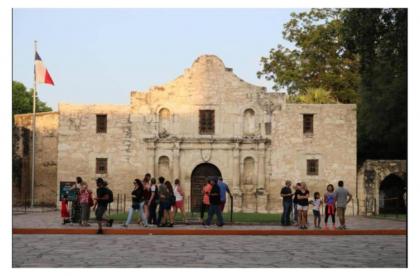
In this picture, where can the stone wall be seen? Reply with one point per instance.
(46, 142)
(369, 178)
(159, 133)
(333, 143)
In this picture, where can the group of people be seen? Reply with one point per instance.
(297, 202)
(156, 203)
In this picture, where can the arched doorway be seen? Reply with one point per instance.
(199, 177)
(391, 195)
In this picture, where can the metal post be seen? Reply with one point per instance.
(124, 204)
(118, 202)
(33, 134)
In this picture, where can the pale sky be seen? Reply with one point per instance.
(101, 55)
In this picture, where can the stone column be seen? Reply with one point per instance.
(236, 178)
(261, 192)
(175, 163)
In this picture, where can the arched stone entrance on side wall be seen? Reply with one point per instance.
(198, 178)
(371, 176)
(391, 194)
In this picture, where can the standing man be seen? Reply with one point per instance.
(103, 197)
(286, 194)
(214, 205)
(223, 187)
(343, 198)
(75, 203)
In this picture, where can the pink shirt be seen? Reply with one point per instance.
(206, 191)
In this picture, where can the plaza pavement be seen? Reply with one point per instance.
(208, 251)
(91, 250)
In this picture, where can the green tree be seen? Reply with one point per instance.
(313, 96)
(22, 100)
(379, 37)
(318, 60)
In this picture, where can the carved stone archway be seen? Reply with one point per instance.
(371, 175)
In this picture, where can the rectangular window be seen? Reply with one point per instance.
(312, 167)
(206, 122)
(268, 128)
(308, 123)
(101, 165)
(101, 123)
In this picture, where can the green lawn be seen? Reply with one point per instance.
(237, 217)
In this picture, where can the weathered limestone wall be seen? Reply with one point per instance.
(159, 133)
(333, 143)
(369, 178)
(45, 158)
(80, 145)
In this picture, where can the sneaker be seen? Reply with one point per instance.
(344, 227)
(220, 225)
(205, 225)
(171, 225)
(124, 225)
(99, 231)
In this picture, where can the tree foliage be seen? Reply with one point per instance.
(22, 100)
(318, 60)
(313, 96)
(379, 37)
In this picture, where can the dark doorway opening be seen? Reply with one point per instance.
(199, 177)
(392, 195)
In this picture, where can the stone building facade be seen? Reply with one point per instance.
(208, 121)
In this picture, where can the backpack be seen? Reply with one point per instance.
(110, 196)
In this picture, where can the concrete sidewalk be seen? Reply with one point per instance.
(50, 223)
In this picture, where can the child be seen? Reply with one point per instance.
(64, 210)
(317, 202)
(329, 199)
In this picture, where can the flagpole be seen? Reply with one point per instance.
(33, 134)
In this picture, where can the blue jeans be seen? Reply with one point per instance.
(141, 212)
(214, 209)
(287, 209)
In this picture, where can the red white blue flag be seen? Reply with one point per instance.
(41, 72)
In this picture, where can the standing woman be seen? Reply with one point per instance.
(85, 199)
(302, 205)
(136, 197)
(179, 199)
(205, 204)
(147, 194)
(329, 201)
(171, 203)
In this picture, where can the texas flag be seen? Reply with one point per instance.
(41, 73)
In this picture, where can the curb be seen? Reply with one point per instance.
(209, 232)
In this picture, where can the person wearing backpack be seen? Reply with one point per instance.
(104, 196)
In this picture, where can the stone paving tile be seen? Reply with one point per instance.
(208, 251)
(53, 220)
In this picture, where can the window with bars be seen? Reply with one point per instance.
(312, 167)
(101, 165)
(101, 123)
(206, 122)
(308, 123)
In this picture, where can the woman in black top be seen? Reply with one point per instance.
(137, 197)
(302, 196)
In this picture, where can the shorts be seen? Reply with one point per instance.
(341, 211)
(179, 204)
(316, 213)
(166, 205)
(100, 211)
(302, 208)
